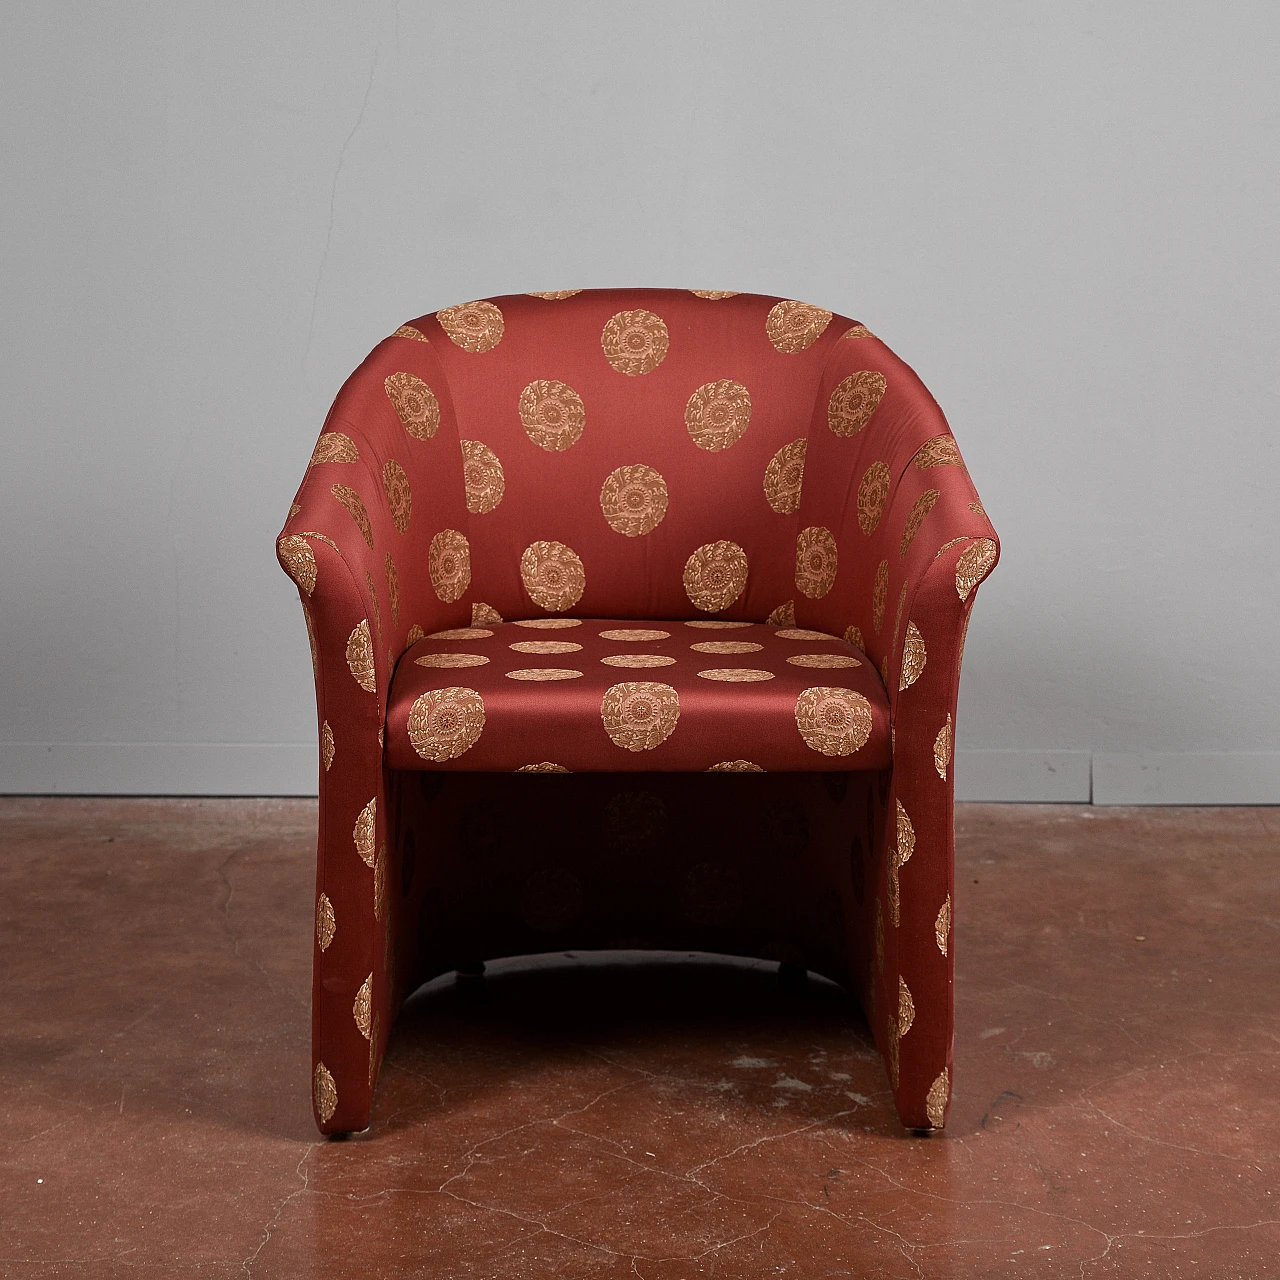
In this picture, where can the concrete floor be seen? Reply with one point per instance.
(1117, 1075)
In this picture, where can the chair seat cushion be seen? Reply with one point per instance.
(593, 695)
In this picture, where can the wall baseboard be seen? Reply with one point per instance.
(290, 769)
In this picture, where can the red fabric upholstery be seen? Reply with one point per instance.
(650, 457)
(605, 696)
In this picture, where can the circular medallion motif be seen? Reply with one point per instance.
(717, 624)
(854, 401)
(974, 564)
(461, 633)
(415, 404)
(635, 342)
(482, 475)
(360, 657)
(823, 660)
(795, 326)
(444, 723)
(800, 633)
(549, 624)
(333, 446)
(326, 922)
(484, 615)
(872, 493)
(451, 660)
(638, 660)
(634, 500)
(552, 575)
(299, 561)
(324, 1093)
(783, 616)
(735, 766)
(449, 563)
(784, 476)
(554, 295)
(736, 675)
(328, 748)
(356, 509)
(879, 596)
(726, 646)
(815, 562)
(836, 722)
(717, 414)
(941, 451)
(553, 414)
(395, 484)
(858, 331)
(545, 767)
(474, 326)
(634, 633)
(408, 331)
(715, 295)
(545, 646)
(913, 657)
(393, 587)
(854, 636)
(915, 517)
(544, 674)
(639, 715)
(715, 576)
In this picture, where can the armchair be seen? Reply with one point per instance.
(636, 619)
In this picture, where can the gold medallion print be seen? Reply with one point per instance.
(548, 624)
(935, 1104)
(915, 517)
(913, 657)
(362, 1007)
(715, 575)
(554, 295)
(333, 446)
(483, 476)
(977, 508)
(941, 451)
(473, 326)
(543, 674)
(354, 504)
(461, 633)
(857, 331)
(438, 660)
(408, 331)
(906, 1007)
(637, 660)
(446, 722)
(735, 766)
(553, 414)
(854, 636)
(784, 476)
(484, 615)
(714, 295)
(299, 561)
(854, 400)
(545, 646)
(552, 575)
(942, 925)
(795, 326)
(872, 494)
(635, 342)
(395, 484)
(942, 749)
(717, 414)
(823, 660)
(416, 633)
(784, 615)
(717, 624)
(393, 588)
(327, 746)
(449, 563)
(736, 675)
(360, 656)
(415, 404)
(836, 722)
(879, 596)
(326, 923)
(634, 633)
(634, 500)
(545, 767)
(801, 633)
(324, 1093)
(815, 562)
(727, 646)
(365, 833)
(640, 715)
(974, 564)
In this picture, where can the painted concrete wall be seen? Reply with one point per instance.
(1065, 216)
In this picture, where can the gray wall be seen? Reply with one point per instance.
(1065, 216)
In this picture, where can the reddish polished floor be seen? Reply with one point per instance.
(1117, 1075)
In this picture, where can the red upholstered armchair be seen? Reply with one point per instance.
(636, 619)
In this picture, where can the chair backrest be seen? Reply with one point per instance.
(633, 453)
